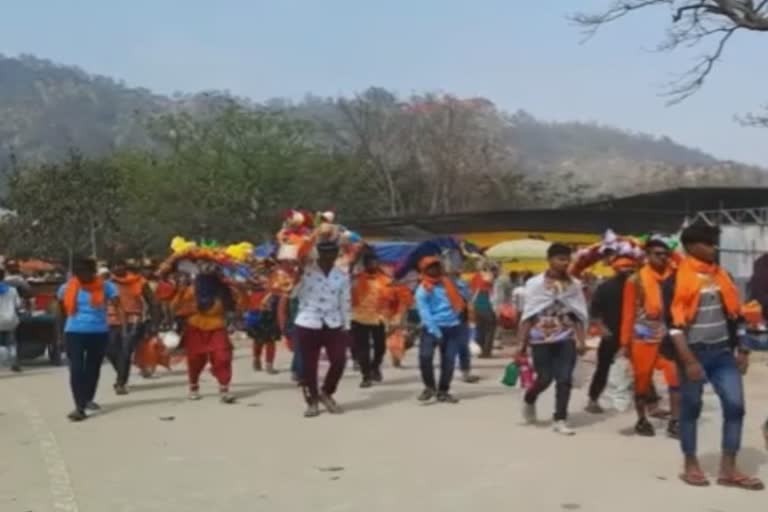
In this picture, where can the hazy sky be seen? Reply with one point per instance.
(521, 54)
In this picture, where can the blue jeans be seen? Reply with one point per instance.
(449, 346)
(720, 368)
(464, 356)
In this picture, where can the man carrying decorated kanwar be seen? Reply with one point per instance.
(205, 332)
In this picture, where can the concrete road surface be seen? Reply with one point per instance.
(155, 451)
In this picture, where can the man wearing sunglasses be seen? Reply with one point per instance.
(642, 331)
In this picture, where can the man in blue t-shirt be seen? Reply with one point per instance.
(83, 302)
(443, 313)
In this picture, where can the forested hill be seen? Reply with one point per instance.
(47, 109)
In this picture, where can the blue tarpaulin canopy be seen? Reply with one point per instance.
(447, 246)
(265, 250)
(392, 252)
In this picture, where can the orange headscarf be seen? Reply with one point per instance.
(95, 288)
(685, 303)
(429, 283)
(479, 282)
(650, 282)
(134, 283)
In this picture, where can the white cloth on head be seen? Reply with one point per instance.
(542, 293)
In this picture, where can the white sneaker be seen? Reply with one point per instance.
(562, 428)
(529, 413)
(194, 396)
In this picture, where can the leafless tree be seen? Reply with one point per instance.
(460, 147)
(371, 129)
(693, 23)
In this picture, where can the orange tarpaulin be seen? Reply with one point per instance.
(32, 266)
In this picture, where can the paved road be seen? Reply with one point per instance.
(154, 451)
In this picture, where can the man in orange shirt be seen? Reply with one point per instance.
(205, 336)
(642, 331)
(370, 296)
(136, 300)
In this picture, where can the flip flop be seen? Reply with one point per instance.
(695, 479)
(745, 482)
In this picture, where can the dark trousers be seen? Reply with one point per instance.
(462, 349)
(449, 346)
(553, 361)
(363, 337)
(296, 365)
(485, 323)
(721, 371)
(606, 353)
(85, 353)
(310, 343)
(121, 349)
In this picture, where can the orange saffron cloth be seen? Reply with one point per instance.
(134, 283)
(647, 282)
(685, 303)
(481, 282)
(371, 294)
(184, 302)
(95, 288)
(213, 319)
(451, 290)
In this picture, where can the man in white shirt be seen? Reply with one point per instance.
(10, 302)
(323, 322)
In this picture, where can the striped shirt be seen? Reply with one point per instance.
(710, 325)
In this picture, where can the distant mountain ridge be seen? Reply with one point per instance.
(47, 109)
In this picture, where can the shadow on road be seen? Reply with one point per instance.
(156, 384)
(380, 398)
(130, 404)
(750, 461)
(405, 379)
(583, 419)
(262, 387)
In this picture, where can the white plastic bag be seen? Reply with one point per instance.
(475, 349)
(620, 384)
(170, 339)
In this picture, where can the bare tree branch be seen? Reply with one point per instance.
(694, 79)
(694, 23)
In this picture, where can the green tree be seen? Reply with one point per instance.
(62, 209)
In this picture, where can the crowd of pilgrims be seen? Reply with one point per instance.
(681, 317)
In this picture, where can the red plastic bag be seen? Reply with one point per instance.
(508, 316)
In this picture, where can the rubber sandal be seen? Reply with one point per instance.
(695, 479)
(745, 482)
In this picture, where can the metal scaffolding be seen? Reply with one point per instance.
(731, 217)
